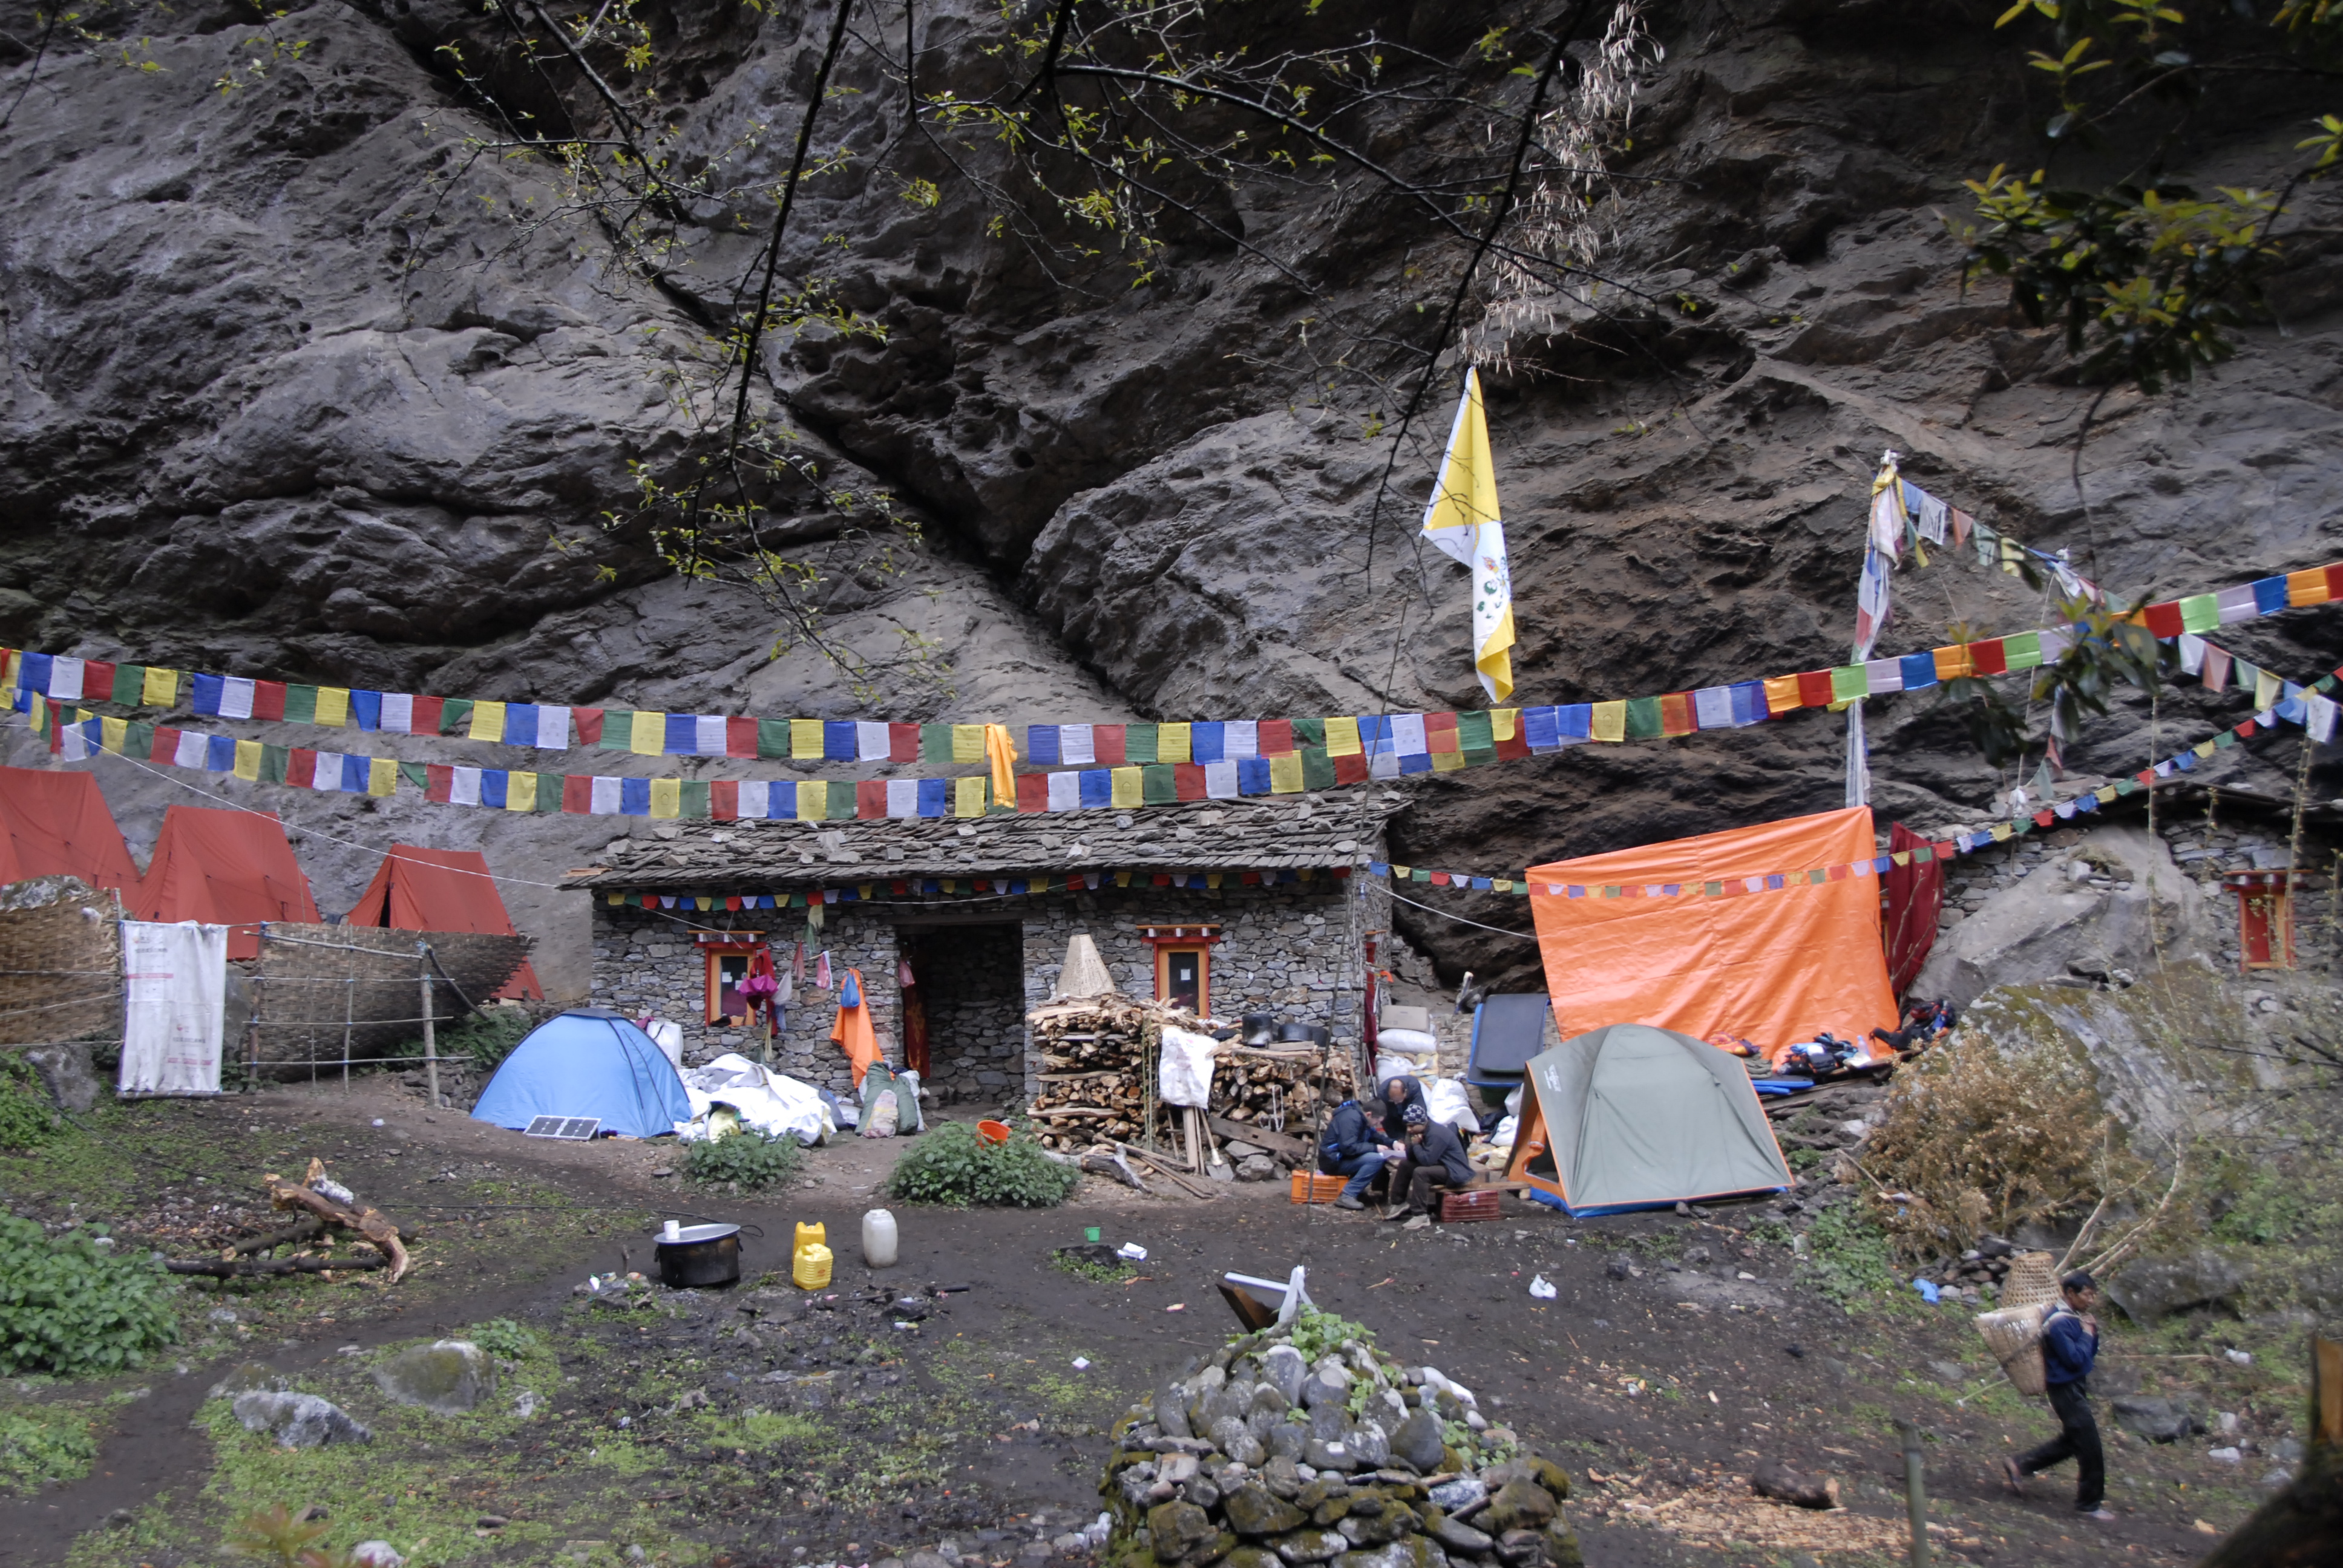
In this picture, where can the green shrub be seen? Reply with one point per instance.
(954, 1165)
(39, 1445)
(487, 1036)
(1849, 1258)
(747, 1157)
(505, 1338)
(71, 1307)
(1315, 1333)
(26, 1117)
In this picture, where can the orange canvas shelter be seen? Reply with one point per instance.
(57, 825)
(232, 869)
(419, 889)
(1672, 935)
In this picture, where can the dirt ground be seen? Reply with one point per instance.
(761, 1425)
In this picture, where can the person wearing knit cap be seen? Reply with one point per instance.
(1433, 1159)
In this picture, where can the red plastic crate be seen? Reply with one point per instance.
(1457, 1207)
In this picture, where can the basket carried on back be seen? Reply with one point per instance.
(2014, 1332)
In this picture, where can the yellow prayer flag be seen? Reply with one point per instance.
(968, 742)
(666, 798)
(1462, 521)
(2266, 688)
(1343, 737)
(968, 796)
(160, 688)
(488, 721)
(1285, 774)
(1171, 743)
(247, 760)
(1502, 722)
(1127, 787)
(646, 733)
(2307, 588)
(813, 797)
(1609, 721)
(116, 734)
(2204, 748)
(334, 706)
(805, 739)
(520, 791)
(382, 776)
(1447, 761)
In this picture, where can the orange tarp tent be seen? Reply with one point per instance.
(232, 869)
(419, 889)
(1713, 959)
(57, 825)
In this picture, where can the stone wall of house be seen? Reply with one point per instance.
(649, 962)
(971, 987)
(1292, 950)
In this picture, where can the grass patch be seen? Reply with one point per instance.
(1105, 1273)
(44, 1443)
(1850, 1260)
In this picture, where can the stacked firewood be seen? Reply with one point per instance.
(1274, 1086)
(1097, 1053)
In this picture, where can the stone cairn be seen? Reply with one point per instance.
(1261, 1458)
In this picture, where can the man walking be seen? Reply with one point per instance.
(2070, 1344)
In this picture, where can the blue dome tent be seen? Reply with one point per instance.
(588, 1062)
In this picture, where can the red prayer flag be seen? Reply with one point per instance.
(1512, 748)
(902, 743)
(427, 714)
(2163, 620)
(724, 794)
(166, 744)
(269, 699)
(1439, 879)
(1675, 714)
(1276, 736)
(439, 779)
(1032, 791)
(1989, 658)
(1440, 734)
(1106, 741)
(577, 789)
(2043, 819)
(2245, 730)
(740, 738)
(98, 681)
(2335, 582)
(1188, 782)
(589, 732)
(1353, 770)
(870, 798)
(301, 768)
(1815, 688)
(1839, 873)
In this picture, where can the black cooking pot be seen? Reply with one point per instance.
(1302, 1033)
(700, 1255)
(1260, 1029)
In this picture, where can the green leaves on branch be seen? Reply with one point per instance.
(74, 1308)
(953, 1165)
(750, 1157)
(2144, 284)
(2109, 651)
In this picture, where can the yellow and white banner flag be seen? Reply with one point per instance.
(1462, 519)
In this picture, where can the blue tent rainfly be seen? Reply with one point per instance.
(588, 1061)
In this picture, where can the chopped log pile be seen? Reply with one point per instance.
(1098, 1074)
(322, 1203)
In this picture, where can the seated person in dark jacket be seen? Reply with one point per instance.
(1434, 1159)
(1353, 1146)
(1922, 1021)
(1401, 1095)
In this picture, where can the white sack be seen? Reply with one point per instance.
(1390, 1067)
(669, 1038)
(1186, 1078)
(1504, 1136)
(176, 977)
(1446, 1100)
(1409, 1041)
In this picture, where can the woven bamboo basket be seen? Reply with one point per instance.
(2014, 1335)
(2032, 1281)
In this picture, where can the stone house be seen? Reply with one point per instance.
(1230, 906)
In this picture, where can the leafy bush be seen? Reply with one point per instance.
(26, 1117)
(505, 1338)
(38, 1445)
(71, 1307)
(1316, 1332)
(487, 1036)
(953, 1165)
(747, 1157)
(1982, 1139)
(274, 1535)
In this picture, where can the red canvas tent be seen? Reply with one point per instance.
(232, 869)
(57, 825)
(419, 890)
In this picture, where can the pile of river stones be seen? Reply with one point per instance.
(1258, 1458)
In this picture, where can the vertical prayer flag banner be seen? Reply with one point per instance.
(1462, 521)
(1770, 969)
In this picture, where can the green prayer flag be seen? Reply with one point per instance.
(1478, 756)
(1849, 681)
(1643, 718)
(273, 762)
(1419, 874)
(693, 801)
(2227, 739)
(1473, 732)
(300, 705)
(548, 792)
(138, 739)
(618, 730)
(772, 738)
(456, 718)
(1317, 768)
(1158, 784)
(935, 743)
(416, 773)
(2201, 613)
(129, 684)
(838, 801)
(1309, 732)
(2022, 650)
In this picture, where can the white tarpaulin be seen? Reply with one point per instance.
(1446, 1100)
(1186, 1078)
(772, 1103)
(177, 977)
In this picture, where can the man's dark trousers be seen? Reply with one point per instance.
(2077, 1439)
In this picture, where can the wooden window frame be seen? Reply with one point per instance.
(716, 947)
(1198, 940)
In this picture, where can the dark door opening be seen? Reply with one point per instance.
(964, 1010)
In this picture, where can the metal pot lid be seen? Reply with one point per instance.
(688, 1234)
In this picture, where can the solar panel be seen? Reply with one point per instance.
(563, 1127)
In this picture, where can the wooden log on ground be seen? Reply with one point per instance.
(252, 1268)
(1296, 1150)
(299, 1230)
(367, 1222)
(1108, 1161)
(1194, 1188)
(1777, 1481)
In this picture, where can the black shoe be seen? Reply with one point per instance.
(1347, 1201)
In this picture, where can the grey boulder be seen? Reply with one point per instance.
(1234, 1438)
(2156, 1288)
(1286, 1372)
(1419, 1442)
(448, 1377)
(298, 1420)
(2157, 1419)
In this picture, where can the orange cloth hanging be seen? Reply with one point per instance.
(1002, 756)
(852, 1033)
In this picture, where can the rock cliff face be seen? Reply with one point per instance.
(304, 378)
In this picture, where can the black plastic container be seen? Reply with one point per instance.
(700, 1255)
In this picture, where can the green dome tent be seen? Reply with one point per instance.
(1631, 1117)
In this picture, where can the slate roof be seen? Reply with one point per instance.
(1338, 829)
